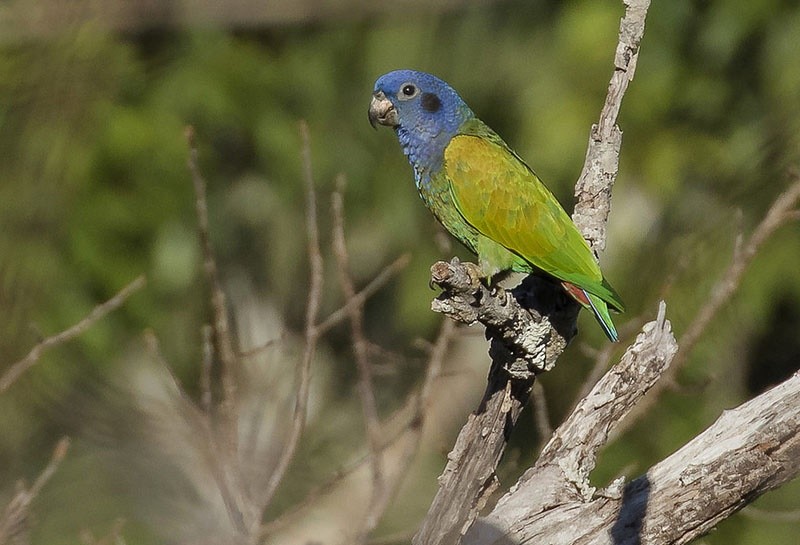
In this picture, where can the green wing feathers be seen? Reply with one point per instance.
(600, 311)
(502, 199)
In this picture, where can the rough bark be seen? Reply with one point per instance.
(526, 336)
(748, 451)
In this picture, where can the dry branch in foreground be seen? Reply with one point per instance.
(748, 451)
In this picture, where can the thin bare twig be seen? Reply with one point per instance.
(254, 351)
(14, 519)
(223, 439)
(779, 213)
(224, 339)
(378, 501)
(361, 297)
(412, 430)
(206, 398)
(303, 376)
(18, 368)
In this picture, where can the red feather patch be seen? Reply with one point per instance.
(577, 293)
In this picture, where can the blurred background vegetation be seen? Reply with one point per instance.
(94, 190)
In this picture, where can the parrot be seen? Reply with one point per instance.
(484, 194)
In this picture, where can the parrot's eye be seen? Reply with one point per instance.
(407, 91)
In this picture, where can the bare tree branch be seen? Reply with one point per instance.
(780, 212)
(379, 500)
(228, 408)
(561, 474)
(746, 452)
(18, 368)
(222, 436)
(361, 297)
(303, 376)
(15, 517)
(593, 189)
(411, 432)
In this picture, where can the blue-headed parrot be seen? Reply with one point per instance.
(484, 194)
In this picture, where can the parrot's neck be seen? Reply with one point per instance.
(424, 144)
(425, 152)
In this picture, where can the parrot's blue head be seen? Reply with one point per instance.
(424, 110)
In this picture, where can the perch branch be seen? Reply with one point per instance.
(561, 474)
(526, 335)
(748, 451)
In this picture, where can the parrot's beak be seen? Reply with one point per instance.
(382, 112)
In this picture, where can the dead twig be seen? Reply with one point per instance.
(254, 351)
(14, 519)
(378, 501)
(222, 334)
(18, 368)
(358, 299)
(303, 376)
(410, 432)
(780, 212)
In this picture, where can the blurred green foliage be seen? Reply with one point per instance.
(94, 191)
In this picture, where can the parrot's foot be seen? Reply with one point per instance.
(455, 275)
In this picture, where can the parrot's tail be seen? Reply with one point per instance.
(598, 307)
